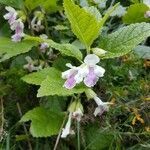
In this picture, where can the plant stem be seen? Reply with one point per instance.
(88, 50)
(8, 142)
(58, 137)
(46, 26)
(25, 129)
(78, 134)
(2, 117)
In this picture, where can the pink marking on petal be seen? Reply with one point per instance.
(16, 37)
(91, 78)
(70, 82)
(11, 19)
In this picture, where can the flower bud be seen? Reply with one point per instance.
(99, 52)
(75, 105)
(90, 94)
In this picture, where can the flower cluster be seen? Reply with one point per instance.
(15, 23)
(76, 112)
(88, 72)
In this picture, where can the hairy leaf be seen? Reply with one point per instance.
(85, 23)
(94, 11)
(51, 83)
(10, 49)
(44, 122)
(124, 40)
(37, 77)
(65, 49)
(54, 86)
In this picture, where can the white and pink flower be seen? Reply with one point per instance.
(72, 115)
(11, 15)
(18, 27)
(102, 106)
(88, 72)
(67, 130)
(15, 24)
(72, 75)
(91, 71)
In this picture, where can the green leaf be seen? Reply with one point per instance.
(98, 139)
(44, 122)
(47, 5)
(143, 51)
(94, 11)
(51, 83)
(54, 86)
(84, 24)
(60, 63)
(124, 40)
(10, 49)
(107, 14)
(37, 77)
(135, 14)
(65, 49)
(13, 3)
(54, 103)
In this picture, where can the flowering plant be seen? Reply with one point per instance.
(88, 43)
